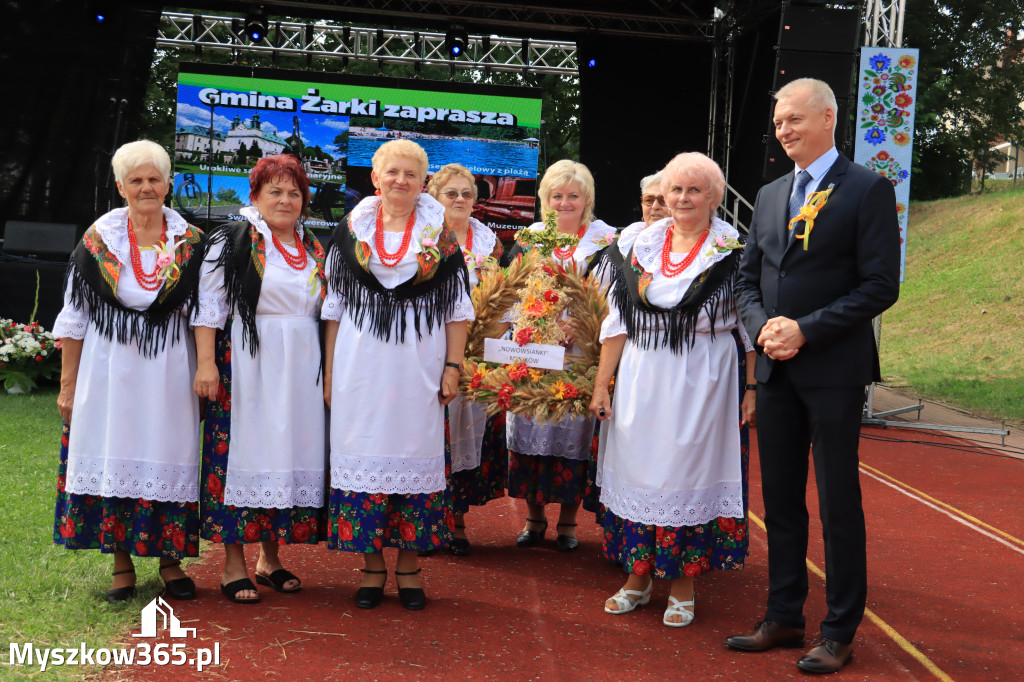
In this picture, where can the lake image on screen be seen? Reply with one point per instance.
(483, 157)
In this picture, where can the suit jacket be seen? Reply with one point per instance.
(848, 275)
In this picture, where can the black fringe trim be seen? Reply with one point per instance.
(242, 282)
(675, 328)
(380, 310)
(148, 329)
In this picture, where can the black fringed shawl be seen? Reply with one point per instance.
(648, 326)
(432, 292)
(94, 273)
(244, 260)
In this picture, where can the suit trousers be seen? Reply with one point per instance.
(791, 419)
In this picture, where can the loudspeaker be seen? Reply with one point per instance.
(819, 29)
(40, 240)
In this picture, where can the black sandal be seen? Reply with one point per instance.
(412, 598)
(179, 588)
(459, 546)
(277, 579)
(370, 597)
(121, 594)
(232, 589)
(529, 538)
(566, 543)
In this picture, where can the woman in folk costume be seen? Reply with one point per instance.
(479, 458)
(548, 463)
(129, 467)
(397, 313)
(673, 459)
(258, 343)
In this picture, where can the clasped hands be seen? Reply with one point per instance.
(781, 338)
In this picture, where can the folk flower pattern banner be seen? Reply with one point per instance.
(886, 96)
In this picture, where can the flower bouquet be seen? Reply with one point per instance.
(27, 353)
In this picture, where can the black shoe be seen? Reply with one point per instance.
(232, 589)
(278, 578)
(412, 598)
(529, 538)
(180, 588)
(370, 597)
(121, 594)
(459, 546)
(566, 543)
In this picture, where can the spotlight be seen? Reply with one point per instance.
(591, 62)
(455, 41)
(256, 25)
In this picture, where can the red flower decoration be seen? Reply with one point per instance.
(903, 100)
(475, 382)
(518, 371)
(214, 487)
(505, 396)
(550, 296)
(178, 537)
(641, 567)
(300, 532)
(407, 530)
(727, 525)
(691, 569)
(882, 155)
(345, 530)
(252, 531)
(570, 391)
(141, 549)
(524, 336)
(221, 447)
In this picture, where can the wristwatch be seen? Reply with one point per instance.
(456, 365)
(750, 387)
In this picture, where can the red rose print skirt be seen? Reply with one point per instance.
(228, 523)
(366, 523)
(476, 487)
(542, 479)
(141, 527)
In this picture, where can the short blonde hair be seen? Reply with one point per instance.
(404, 148)
(820, 95)
(446, 174)
(133, 155)
(562, 173)
(699, 167)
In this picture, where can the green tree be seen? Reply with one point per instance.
(227, 195)
(970, 86)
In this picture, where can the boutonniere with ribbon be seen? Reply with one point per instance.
(477, 260)
(428, 242)
(809, 212)
(603, 240)
(166, 265)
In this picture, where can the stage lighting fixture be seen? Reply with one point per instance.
(591, 62)
(455, 41)
(256, 25)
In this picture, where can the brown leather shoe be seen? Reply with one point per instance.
(767, 635)
(827, 656)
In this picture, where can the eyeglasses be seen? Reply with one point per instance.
(649, 199)
(453, 195)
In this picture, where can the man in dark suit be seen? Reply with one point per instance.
(809, 302)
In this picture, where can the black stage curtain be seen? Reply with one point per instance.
(74, 91)
(18, 287)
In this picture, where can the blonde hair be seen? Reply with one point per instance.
(562, 173)
(820, 95)
(136, 154)
(446, 174)
(699, 167)
(403, 148)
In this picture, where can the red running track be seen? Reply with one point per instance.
(944, 596)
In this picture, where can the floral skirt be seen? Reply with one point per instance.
(366, 523)
(228, 523)
(169, 530)
(592, 494)
(476, 487)
(676, 551)
(540, 479)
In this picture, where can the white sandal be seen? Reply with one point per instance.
(627, 600)
(676, 608)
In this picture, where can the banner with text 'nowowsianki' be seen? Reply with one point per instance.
(230, 117)
(886, 97)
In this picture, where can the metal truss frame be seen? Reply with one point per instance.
(883, 23)
(648, 18)
(334, 42)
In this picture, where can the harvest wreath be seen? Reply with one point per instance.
(537, 289)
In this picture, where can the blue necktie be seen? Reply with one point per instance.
(796, 200)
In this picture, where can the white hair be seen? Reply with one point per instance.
(137, 154)
(820, 95)
(649, 181)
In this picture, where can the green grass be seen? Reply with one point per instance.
(954, 334)
(48, 595)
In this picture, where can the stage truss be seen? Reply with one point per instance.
(324, 41)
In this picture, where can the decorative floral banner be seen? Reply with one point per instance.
(886, 98)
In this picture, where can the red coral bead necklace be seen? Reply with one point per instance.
(296, 262)
(667, 268)
(567, 254)
(392, 259)
(150, 281)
